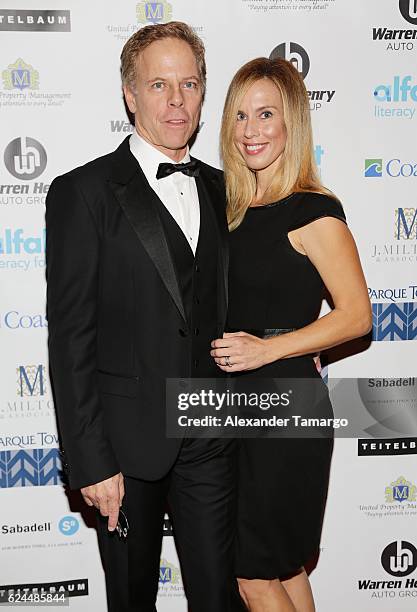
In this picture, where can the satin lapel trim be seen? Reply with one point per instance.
(135, 199)
(206, 198)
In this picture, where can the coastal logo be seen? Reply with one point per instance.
(154, 12)
(31, 381)
(13, 319)
(394, 168)
(408, 9)
(393, 322)
(373, 167)
(400, 490)
(294, 53)
(20, 76)
(406, 223)
(400, 90)
(399, 558)
(25, 158)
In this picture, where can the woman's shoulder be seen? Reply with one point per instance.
(307, 206)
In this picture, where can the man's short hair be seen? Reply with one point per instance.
(149, 34)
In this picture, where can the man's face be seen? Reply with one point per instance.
(167, 96)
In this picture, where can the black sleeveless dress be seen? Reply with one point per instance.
(282, 481)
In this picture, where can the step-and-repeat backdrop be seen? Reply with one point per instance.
(60, 106)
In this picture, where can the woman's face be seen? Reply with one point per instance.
(260, 133)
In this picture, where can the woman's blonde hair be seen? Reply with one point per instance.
(297, 170)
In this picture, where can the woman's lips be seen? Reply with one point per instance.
(255, 149)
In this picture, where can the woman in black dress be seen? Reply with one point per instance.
(288, 240)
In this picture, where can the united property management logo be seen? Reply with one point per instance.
(20, 76)
(400, 498)
(298, 56)
(396, 99)
(154, 12)
(399, 39)
(170, 581)
(394, 168)
(399, 491)
(394, 322)
(21, 20)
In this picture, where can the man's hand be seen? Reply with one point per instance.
(106, 496)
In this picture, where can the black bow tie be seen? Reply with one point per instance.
(190, 169)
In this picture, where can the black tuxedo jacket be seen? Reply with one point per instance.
(117, 324)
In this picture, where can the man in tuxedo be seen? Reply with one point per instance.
(137, 289)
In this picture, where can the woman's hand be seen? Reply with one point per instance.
(241, 351)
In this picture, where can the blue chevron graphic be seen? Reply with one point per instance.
(394, 321)
(35, 467)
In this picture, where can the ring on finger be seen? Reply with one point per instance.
(227, 361)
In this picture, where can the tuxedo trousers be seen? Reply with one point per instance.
(200, 491)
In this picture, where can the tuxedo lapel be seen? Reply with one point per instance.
(136, 199)
(210, 194)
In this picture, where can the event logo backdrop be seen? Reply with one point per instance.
(60, 106)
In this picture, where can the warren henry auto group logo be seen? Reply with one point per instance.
(399, 39)
(298, 56)
(25, 158)
(399, 560)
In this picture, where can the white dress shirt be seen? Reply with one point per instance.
(178, 192)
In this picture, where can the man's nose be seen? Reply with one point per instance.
(176, 97)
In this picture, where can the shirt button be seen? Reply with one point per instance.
(196, 331)
(196, 362)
